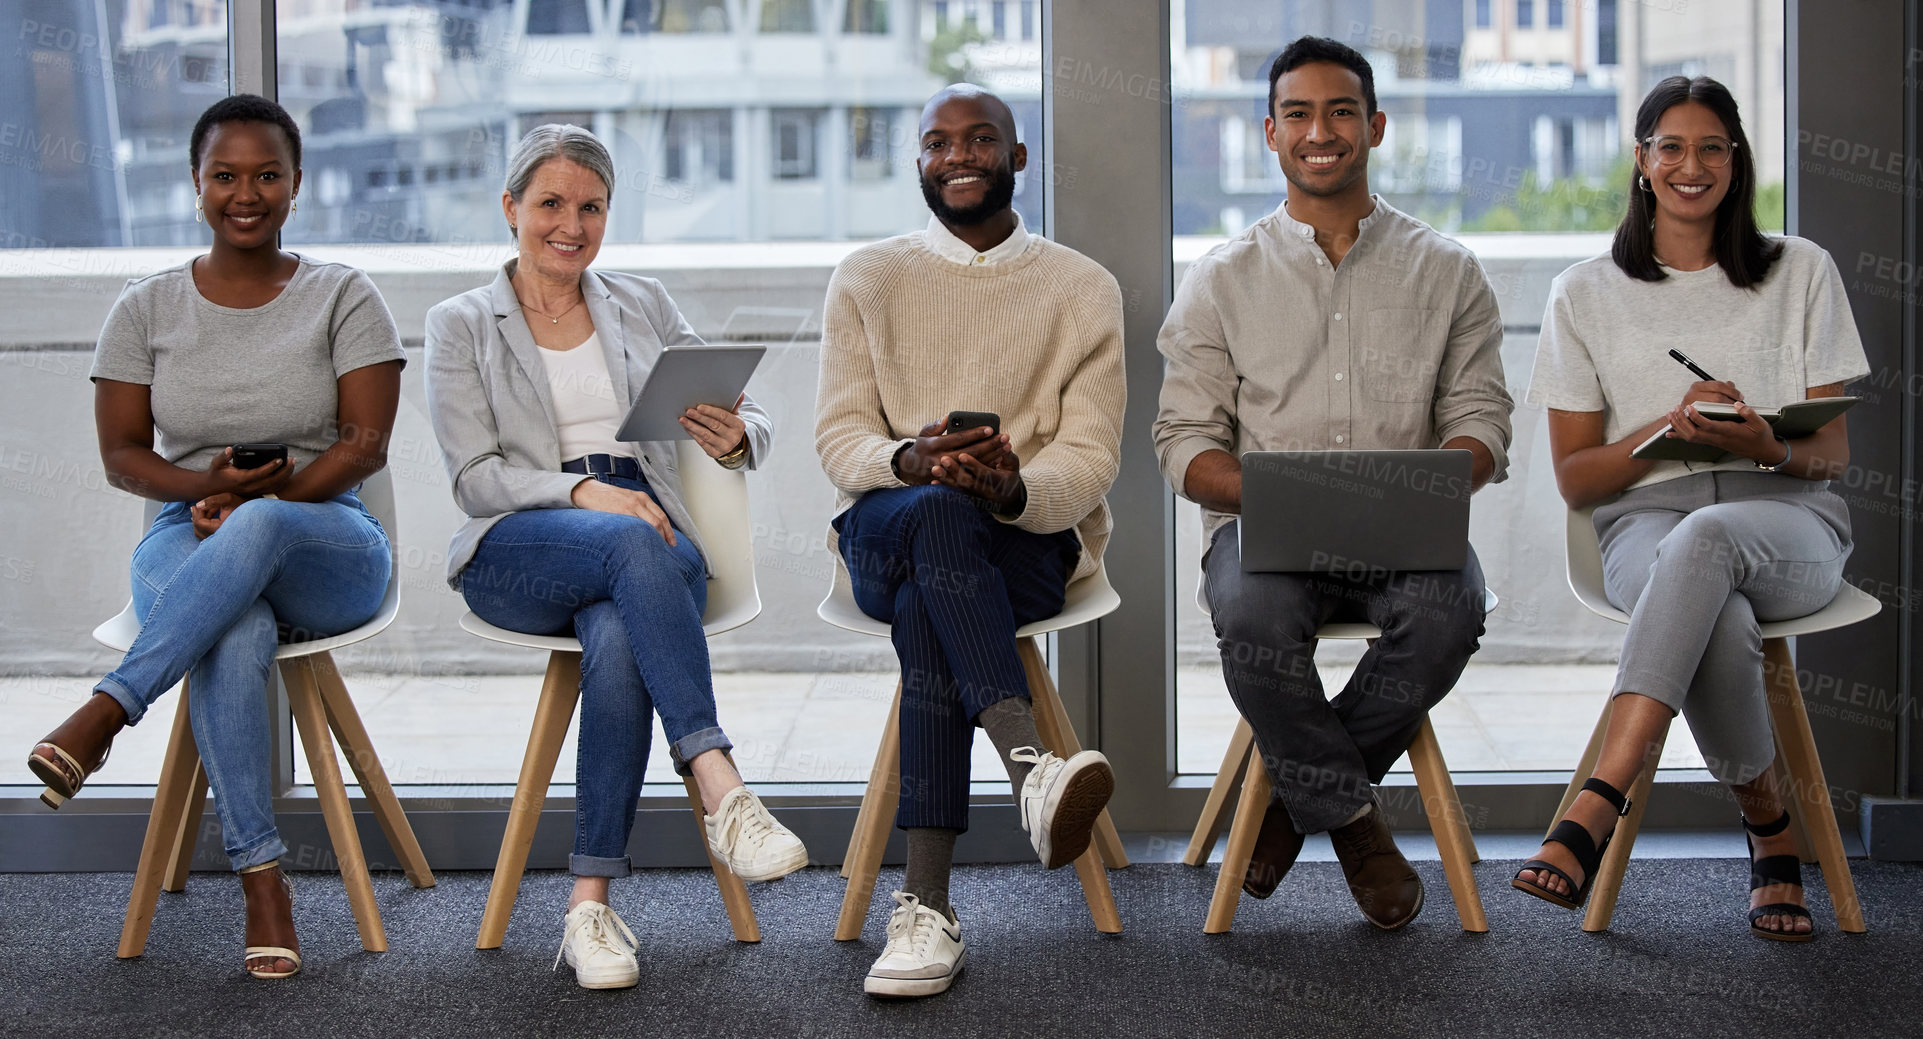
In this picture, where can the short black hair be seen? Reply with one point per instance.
(1320, 48)
(242, 108)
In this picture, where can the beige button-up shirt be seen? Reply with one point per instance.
(1269, 347)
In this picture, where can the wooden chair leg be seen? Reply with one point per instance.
(366, 764)
(1808, 783)
(734, 894)
(310, 717)
(1249, 811)
(1785, 786)
(1464, 834)
(1221, 800)
(177, 771)
(877, 816)
(1615, 862)
(559, 692)
(1447, 823)
(1051, 722)
(1584, 767)
(876, 777)
(188, 836)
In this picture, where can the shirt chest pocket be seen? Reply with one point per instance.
(1397, 361)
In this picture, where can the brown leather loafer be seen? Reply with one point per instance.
(1276, 847)
(1385, 886)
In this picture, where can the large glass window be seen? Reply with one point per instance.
(1517, 144)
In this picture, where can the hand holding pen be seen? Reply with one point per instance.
(1710, 388)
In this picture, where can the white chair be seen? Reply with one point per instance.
(1810, 810)
(1242, 765)
(1088, 599)
(319, 702)
(717, 501)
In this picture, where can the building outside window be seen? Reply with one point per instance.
(795, 132)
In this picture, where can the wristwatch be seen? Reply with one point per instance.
(1778, 466)
(736, 458)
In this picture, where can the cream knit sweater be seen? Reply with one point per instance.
(909, 336)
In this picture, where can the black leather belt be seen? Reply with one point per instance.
(603, 467)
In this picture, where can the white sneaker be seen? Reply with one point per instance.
(742, 834)
(1061, 800)
(924, 953)
(599, 947)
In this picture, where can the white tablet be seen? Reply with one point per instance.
(684, 376)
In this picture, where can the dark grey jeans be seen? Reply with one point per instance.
(1325, 755)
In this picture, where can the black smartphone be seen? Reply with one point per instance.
(960, 420)
(253, 456)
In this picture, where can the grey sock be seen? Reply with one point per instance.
(931, 853)
(1010, 723)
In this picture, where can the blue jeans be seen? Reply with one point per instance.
(635, 603)
(213, 609)
(954, 583)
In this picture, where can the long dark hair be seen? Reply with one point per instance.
(1742, 250)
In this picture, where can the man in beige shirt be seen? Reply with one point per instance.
(1334, 323)
(957, 536)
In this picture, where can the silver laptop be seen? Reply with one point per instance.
(1355, 512)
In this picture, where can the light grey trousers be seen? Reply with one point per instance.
(1697, 562)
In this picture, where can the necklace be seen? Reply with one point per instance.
(553, 318)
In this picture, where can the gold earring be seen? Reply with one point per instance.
(197, 217)
(295, 207)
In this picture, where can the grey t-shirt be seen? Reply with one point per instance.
(222, 376)
(1606, 339)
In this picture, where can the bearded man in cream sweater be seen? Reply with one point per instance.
(958, 537)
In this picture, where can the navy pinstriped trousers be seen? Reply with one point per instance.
(955, 583)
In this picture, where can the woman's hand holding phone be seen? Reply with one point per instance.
(224, 477)
(606, 497)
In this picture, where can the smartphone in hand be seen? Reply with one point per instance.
(960, 420)
(253, 456)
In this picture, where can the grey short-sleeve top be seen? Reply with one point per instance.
(222, 376)
(1606, 339)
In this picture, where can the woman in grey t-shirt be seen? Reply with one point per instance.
(247, 344)
(1698, 553)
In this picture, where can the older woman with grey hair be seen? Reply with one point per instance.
(572, 530)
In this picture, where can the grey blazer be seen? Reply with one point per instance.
(487, 395)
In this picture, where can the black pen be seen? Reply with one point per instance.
(1691, 365)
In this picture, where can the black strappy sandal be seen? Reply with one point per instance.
(1776, 869)
(1574, 836)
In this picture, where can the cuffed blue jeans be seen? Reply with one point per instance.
(635, 603)
(213, 610)
(1325, 755)
(954, 583)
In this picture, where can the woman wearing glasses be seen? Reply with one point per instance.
(1697, 553)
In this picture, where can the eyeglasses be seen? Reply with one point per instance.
(1713, 152)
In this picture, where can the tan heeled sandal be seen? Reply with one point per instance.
(63, 773)
(270, 953)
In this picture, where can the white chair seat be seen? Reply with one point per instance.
(377, 493)
(1852, 604)
(1090, 598)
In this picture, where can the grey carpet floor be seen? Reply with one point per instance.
(1677, 962)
